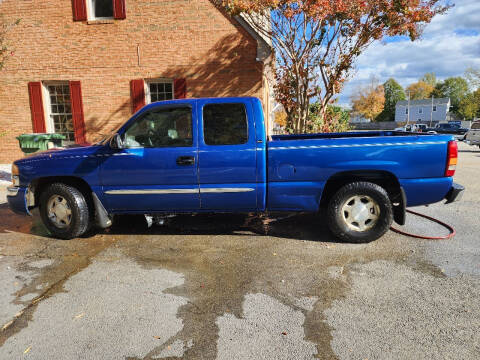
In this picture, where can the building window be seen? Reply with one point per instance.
(59, 110)
(420, 110)
(406, 110)
(434, 107)
(100, 9)
(159, 90)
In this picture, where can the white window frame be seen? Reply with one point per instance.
(91, 11)
(147, 82)
(406, 111)
(434, 108)
(47, 105)
(420, 110)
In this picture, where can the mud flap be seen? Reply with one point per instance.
(101, 215)
(399, 210)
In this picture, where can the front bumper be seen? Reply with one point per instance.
(455, 193)
(17, 200)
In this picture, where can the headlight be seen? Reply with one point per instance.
(15, 175)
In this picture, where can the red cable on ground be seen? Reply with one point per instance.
(450, 228)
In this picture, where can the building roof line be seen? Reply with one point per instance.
(436, 101)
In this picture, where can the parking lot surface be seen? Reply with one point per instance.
(237, 287)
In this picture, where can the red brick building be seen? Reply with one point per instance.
(82, 67)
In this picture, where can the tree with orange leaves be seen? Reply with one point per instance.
(316, 42)
(420, 90)
(369, 101)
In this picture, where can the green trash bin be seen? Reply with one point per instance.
(30, 143)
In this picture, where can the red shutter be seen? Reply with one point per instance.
(77, 112)
(119, 11)
(79, 10)
(137, 93)
(180, 88)
(36, 106)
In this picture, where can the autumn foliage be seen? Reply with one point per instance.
(369, 101)
(316, 42)
(420, 90)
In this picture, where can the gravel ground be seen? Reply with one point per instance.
(218, 287)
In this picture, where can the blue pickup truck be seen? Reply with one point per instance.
(213, 155)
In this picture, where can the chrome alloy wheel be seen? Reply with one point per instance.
(59, 211)
(360, 213)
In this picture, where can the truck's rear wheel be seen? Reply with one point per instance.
(360, 212)
(64, 211)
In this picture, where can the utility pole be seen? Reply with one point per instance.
(431, 114)
(408, 108)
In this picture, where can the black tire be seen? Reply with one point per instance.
(336, 217)
(79, 219)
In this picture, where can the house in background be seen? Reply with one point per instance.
(82, 67)
(422, 111)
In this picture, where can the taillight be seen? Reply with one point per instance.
(452, 157)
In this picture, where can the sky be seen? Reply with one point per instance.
(449, 44)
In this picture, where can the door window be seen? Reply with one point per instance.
(225, 124)
(161, 127)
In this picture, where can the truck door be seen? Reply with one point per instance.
(227, 156)
(157, 171)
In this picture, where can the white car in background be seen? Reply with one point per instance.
(472, 137)
(415, 128)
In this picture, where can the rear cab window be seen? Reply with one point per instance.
(475, 126)
(225, 124)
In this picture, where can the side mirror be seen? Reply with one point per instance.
(116, 142)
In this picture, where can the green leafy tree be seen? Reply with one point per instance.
(476, 95)
(455, 88)
(430, 79)
(394, 93)
(336, 118)
(468, 107)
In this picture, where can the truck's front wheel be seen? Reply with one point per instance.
(64, 211)
(360, 212)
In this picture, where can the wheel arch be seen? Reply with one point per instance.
(385, 179)
(38, 185)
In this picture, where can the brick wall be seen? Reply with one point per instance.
(159, 38)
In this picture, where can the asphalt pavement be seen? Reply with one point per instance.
(237, 287)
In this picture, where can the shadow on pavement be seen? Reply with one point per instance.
(297, 226)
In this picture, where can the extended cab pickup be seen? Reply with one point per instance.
(213, 155)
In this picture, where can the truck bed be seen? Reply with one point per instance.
(299, 166)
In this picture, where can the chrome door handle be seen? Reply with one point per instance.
(185, 160)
